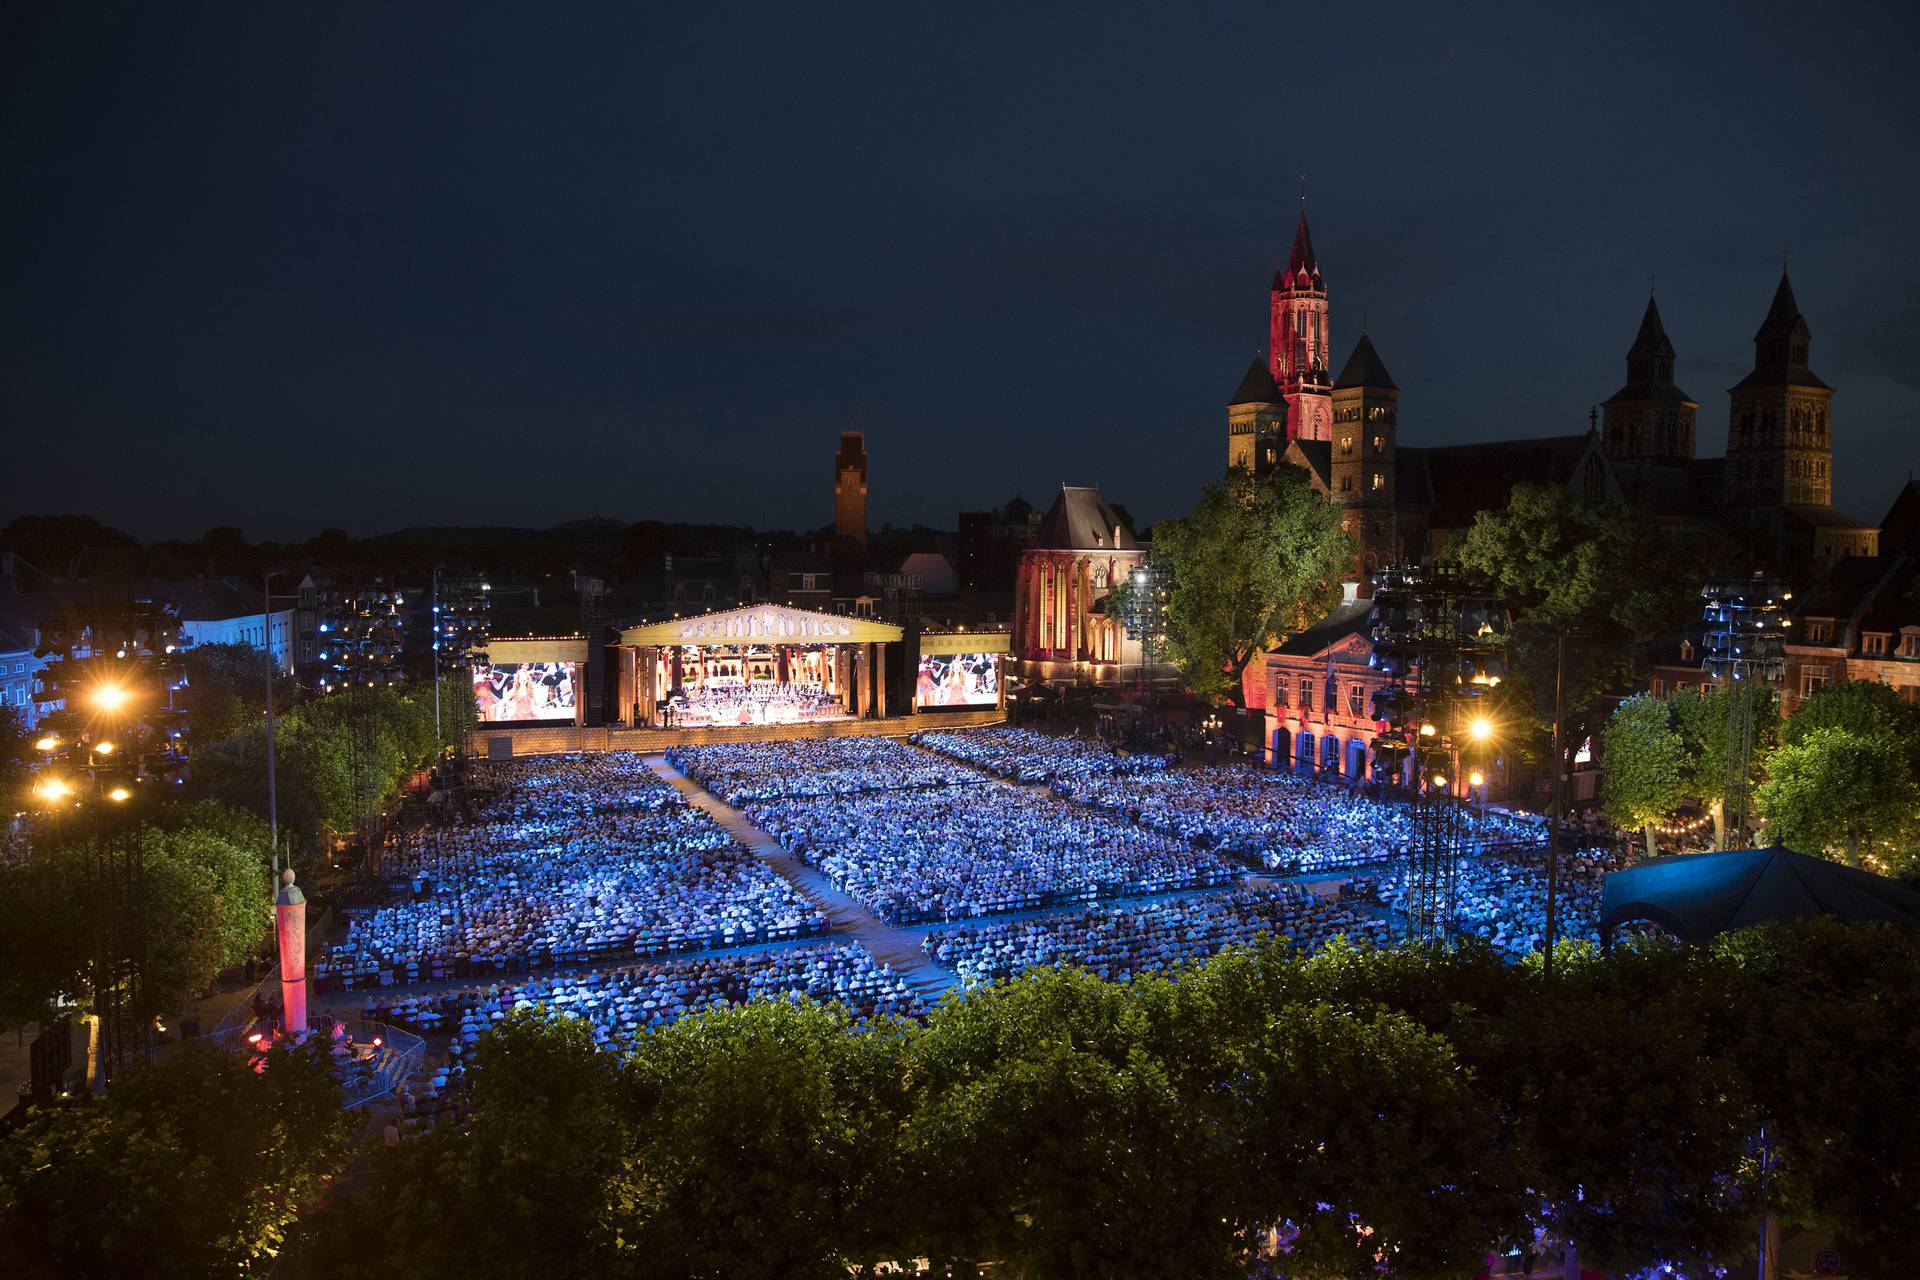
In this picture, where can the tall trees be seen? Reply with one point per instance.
(194, 1166)
(1359, 1112)
(1255, 559)
(1646, 765)
(1832, 789)
(1598, 572)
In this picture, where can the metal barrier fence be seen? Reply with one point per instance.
(382, 1058)
(397, 1056)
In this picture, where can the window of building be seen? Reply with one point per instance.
(1379, 444)
(1819, 630)
(1356, 700)
(1346, 484)
(1874, 644)
(1909, 646)
(1812, 679)
(1377, 481)
(1306, 694)
(1657, 687)
(1280, 693)
(1346, 446)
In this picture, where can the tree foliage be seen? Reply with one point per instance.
(1357, 1112)
(206, 901)
(1646, 765)
(1598, 572)
(1255, 559)
(1832, 790)
(194, 1166)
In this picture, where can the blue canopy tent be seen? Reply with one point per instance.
(1698, 895)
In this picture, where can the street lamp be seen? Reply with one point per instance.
(1480, 729)
(110, 697)
(119, 795)
(52, 790)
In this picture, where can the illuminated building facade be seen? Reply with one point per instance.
(1061, 628)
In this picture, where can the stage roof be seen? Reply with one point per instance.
(1698, 895)
(765, 623)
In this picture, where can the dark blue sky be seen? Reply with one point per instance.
(285, 266)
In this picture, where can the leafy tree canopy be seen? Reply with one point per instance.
(1254, 560)
(1835, 791)
(1599, 572)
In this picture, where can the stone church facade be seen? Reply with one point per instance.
(1768, 503)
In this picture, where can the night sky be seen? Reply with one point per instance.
(286, 266)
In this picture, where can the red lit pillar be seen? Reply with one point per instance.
(290, 920)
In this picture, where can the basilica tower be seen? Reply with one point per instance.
(1649, 419)
(1779, 435)
(1297, 341)
(1360, 473)
(1256, 422)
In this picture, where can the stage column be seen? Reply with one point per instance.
(648, 659)
(628, 689)
(880, 676)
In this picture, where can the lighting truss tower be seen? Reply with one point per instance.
(1145, 617)
(1442, 644)
(1744, 650)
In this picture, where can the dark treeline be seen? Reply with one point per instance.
(1402, 1110)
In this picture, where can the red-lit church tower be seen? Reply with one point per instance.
(1297, 341)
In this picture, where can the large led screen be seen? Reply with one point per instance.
(520, 691)
(958, 680)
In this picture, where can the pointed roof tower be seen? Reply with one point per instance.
(1365, 368)
(1783, 317)
(1302, 267)
(1781, 344)
(1257, 387)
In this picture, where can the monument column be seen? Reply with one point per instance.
(290, 926)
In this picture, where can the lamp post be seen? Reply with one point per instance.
(273, 799)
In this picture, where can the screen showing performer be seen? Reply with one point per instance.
(521, 691)
(958, 680)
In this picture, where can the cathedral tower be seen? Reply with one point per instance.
(1360, 474)
(1297, 341)
(1256, 422)
(850, 487)
(1779, 435)
(1649, 419)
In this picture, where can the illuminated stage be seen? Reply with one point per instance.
(759, 665)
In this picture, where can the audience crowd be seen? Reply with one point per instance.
(1024, 755)
(1119, 940)
(744, 772)
(1284, 822)
(621, 1003)
(1503, 899)
(575, 877)
(955, 853)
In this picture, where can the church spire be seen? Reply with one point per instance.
(1782, 342)
(1650, 358)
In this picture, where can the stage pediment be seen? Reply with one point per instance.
(764, 624)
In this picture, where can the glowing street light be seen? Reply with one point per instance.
(52, 790)
(49, 743)
(103, 748)
(110, 697)
(1476, 779)
(1480, 729)
(119, 795)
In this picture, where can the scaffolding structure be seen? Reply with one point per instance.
(1441, 642)
(1744, 650)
